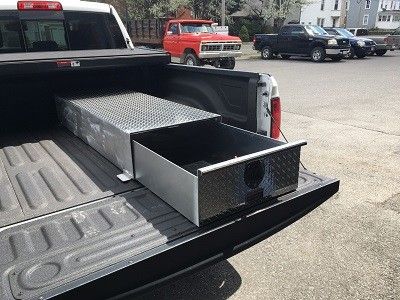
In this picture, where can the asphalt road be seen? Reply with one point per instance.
(349, 248)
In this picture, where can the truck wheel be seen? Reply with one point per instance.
(228, 63)
(266, 53)
(191, 60)
(318, 54)
(380, 52)
(350, 54)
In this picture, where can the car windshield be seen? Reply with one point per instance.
(344, 32)
(315, 30)
(196, 28)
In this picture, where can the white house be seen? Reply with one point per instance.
(388, 16)
(322, 13)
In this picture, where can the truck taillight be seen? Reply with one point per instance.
(39, 5)
(276, 117)
(254, 40)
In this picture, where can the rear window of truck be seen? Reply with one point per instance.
(68, 31)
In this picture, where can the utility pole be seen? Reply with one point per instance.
(343, 13)
(223, 12)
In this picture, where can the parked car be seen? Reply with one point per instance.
(193, 41)
(384, 43)
(359, 46)
(70, 228)
(302, 40)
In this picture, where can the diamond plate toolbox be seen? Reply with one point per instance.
(106, 120)
(201, 167)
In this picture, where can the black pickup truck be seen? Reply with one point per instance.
(69, 227)
(301, 40)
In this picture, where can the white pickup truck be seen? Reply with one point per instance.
(70, 228)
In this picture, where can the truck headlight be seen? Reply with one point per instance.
(204, 48)
(332, 42)
(361, 43)
(237, 47)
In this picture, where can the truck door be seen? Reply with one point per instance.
(171, 39)
(299, 40)
(283, 43)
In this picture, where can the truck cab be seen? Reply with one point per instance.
(301, 40)
(196, 43)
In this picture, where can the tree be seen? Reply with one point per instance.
(140, 9)
(244, 34)
(274, 10)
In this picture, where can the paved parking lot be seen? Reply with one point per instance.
(349, 248)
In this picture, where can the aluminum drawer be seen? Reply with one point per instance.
(208, 169)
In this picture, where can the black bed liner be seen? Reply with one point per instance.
(44, 172)
(105, 247)
(44, 62)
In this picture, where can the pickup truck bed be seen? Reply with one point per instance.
(105, 226)
(69, 227)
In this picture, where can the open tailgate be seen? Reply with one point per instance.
(133, 241)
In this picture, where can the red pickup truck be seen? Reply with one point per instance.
(193, 41)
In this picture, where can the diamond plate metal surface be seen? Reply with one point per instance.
(106, 120)
(231, 188)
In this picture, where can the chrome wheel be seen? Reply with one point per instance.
(190, 62)
(266, 53)
(316, 55)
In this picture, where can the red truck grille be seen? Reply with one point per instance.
(221, 47)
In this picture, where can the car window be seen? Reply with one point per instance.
(174, 28)
(362, 32)
(70, 31)
(10, 35)
(196, 28)
(44, 35)
(331, 31)
(297, 30)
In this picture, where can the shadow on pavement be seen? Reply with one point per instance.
(217, 282)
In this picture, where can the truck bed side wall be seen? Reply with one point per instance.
(28, 102)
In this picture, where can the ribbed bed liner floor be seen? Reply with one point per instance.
(44, 172)
(42, 254)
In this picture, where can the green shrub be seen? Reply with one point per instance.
(244, 34)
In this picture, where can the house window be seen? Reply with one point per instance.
(365, 19)
(347, 4)
(336, 5)
(322, 4)
(320, 22)
(367, 4)
(334, 21)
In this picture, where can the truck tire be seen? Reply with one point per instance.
(266, 53)
(191, 60)
(228, 63)
(350, 54)
(380, 52)
(318, 54)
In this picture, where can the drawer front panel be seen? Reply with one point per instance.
(232, 187)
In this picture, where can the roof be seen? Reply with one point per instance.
(76, 5)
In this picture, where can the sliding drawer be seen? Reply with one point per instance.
(207, 169)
